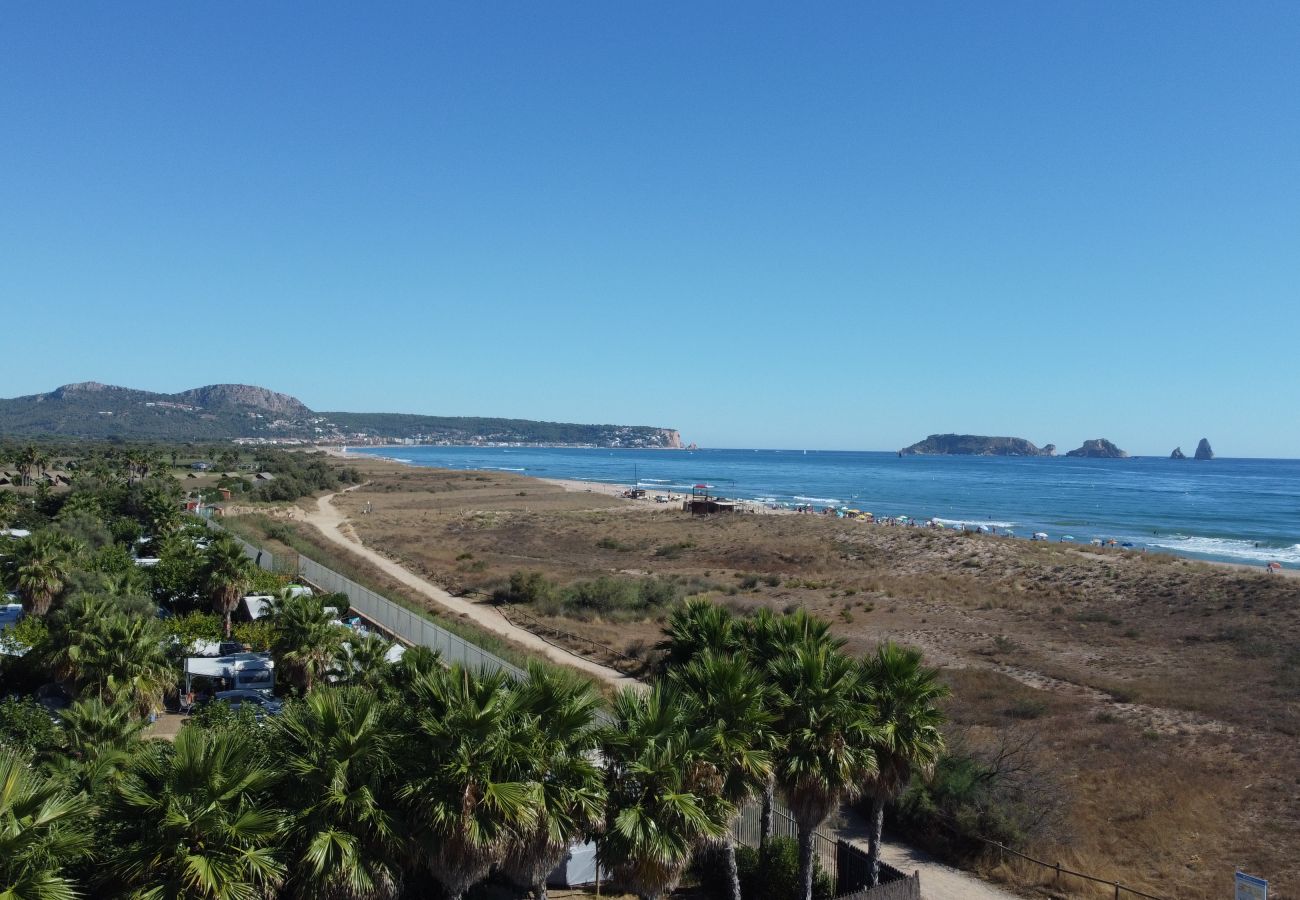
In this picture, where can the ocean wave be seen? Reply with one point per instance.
(974, 523)
(503, 469)
(817, 499)
(1232, 549)
(657, 480)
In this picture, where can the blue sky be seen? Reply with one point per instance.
(833, 225)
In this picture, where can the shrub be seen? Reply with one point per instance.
(778, 877)
(26, 727)
(525, 587)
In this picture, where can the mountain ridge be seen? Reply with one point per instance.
(215, 412)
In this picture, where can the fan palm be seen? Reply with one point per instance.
(195, 821)
(8, 508)
(656, 814)
(766, 637)
(560, 712)
(336, 750)
(730, 706)
(43, 831)
(227, 574)
(697, 626)
(463, 785)
(826, 726)
(306, 638)
(98, 740)
(903, 695)
(363, 661)
(41, 566)
(118, 657)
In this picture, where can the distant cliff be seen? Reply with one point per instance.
(1098, 448)
(975, 445)
(1203, 450)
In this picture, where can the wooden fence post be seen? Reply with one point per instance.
(1117, 890)
(1058, 873)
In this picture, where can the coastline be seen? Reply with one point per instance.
(750, 506)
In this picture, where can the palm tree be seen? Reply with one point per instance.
(43, 831)
(656, 815)
(766, 637)
(363, 662)
(336, 750)
(41, 566)
(306, 638)
(462, 786)
(25, 461)
(560, 710)
(730, 706)
(697, 626)
(227, 576)
(98, 740)
(903, 696)
(826, 753)
(194, 820)
(117, 657)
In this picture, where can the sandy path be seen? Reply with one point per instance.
(938, 881)
(330, 522)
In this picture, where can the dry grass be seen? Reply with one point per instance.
(1167, 692)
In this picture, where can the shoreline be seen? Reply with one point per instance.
(760, 508)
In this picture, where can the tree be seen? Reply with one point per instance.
(227, 575)
(654, 818)
(194, 820)
(766, 637)
(827, 731)
(903, 695)
(41, 566)
(695, 627)
(363, 662)
(306, 638)
(560, 713)
(729, 705)
(43, 831)
(25, 461)
(462, 785)
(8, 508)
(115, 656)
(336, 751)
(98, 740)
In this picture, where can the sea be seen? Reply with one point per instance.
(1226, 510)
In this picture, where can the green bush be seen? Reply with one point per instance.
(525, 587)
(778, 877)
(26, 727)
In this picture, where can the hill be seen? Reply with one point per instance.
(975, 445)
(249, 413)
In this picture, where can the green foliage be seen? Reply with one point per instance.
(257, 636)
(613, 598)
(44, 830)
(26, 727)
(776, 877)
(525, 587)
(191, 627)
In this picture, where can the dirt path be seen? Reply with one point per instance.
(331, 523)
(938, 881)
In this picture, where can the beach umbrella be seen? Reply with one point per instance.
(1275, 566)
(1068, 537)
(985, 529)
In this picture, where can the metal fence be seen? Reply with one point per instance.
(748, 830)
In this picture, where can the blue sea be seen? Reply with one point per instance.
(1229, 510)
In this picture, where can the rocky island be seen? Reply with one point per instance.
(975, 445)
(1098, 448)
(1203, 450)
(1178, 454)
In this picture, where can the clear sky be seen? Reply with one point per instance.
(787, 225)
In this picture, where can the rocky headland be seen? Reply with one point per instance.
(1178, 454)
(1203, 450)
